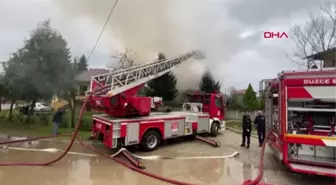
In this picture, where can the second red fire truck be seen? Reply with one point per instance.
(300, 106)
(128, 119)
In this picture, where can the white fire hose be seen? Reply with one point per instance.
(151, 157)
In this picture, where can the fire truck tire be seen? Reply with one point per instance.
(214, 129)
(150, 140)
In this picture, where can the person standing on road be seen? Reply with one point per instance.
(57, 119)
(247, 128)
(259, 123)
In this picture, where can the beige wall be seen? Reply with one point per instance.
(329, 63)
(236, 115)
(329, 59)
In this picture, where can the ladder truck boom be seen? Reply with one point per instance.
(125, 79)
(120, 99)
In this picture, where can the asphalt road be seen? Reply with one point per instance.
(84, 170)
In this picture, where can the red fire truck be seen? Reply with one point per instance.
(300, 106)
(128, 119)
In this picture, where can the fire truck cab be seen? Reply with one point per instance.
(300, 107)
(212, 103)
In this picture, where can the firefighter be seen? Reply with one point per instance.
(247, 128)
(259, 123)
(57, 119)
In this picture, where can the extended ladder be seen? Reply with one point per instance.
(125, 79)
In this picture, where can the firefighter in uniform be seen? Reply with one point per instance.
(247, 128)
(259, 123)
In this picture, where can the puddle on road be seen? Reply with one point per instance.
(95, 171)
(29, 144)
(76, 170)
(44, 143)
(79, 170)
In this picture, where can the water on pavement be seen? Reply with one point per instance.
(83, 170)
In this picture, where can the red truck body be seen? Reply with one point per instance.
(300, 105)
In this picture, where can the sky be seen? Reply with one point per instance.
(229, 31)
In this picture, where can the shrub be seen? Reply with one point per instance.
(65, 121)
(86, 122)
(42, 119)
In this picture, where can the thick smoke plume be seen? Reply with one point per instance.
(169, 26)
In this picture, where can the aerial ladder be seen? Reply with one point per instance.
(120, 99)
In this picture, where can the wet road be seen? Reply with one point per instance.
(82, 170)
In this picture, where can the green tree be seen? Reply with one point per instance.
(235, 101)
(41, 67)
(163, 86)
(82, 64)
(14, 79)
(250, 99)
(71, 90)
(261, 102)
(3, 90)
(208, 84)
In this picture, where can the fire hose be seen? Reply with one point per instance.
(74, 137)
(261, 166)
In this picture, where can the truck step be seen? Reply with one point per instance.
(248, 182)
(208, 141)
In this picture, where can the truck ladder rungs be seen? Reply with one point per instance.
(125, 79)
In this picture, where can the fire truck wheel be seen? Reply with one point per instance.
(214, 129)
(151, 140)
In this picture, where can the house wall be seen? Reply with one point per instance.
(83, 86)
(237, 115)
(329, 61)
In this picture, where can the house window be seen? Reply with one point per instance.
(82, 89)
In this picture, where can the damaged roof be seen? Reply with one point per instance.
(85, 76)
(321, 55)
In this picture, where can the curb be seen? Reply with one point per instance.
(240, 132)
(68, 140)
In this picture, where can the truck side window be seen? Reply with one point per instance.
(218, 102)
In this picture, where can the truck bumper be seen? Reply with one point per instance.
(314, 170)
(222, 126)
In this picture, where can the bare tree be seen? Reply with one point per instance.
(316, 35)
(122, 61)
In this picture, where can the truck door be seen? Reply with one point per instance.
(216, 107)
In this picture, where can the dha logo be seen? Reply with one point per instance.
(271, 35)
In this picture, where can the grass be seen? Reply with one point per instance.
(42, 125)
(238, 126)
(37, 130)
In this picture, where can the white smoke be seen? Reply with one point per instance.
(169, 26)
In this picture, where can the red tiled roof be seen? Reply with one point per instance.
(240, 91)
